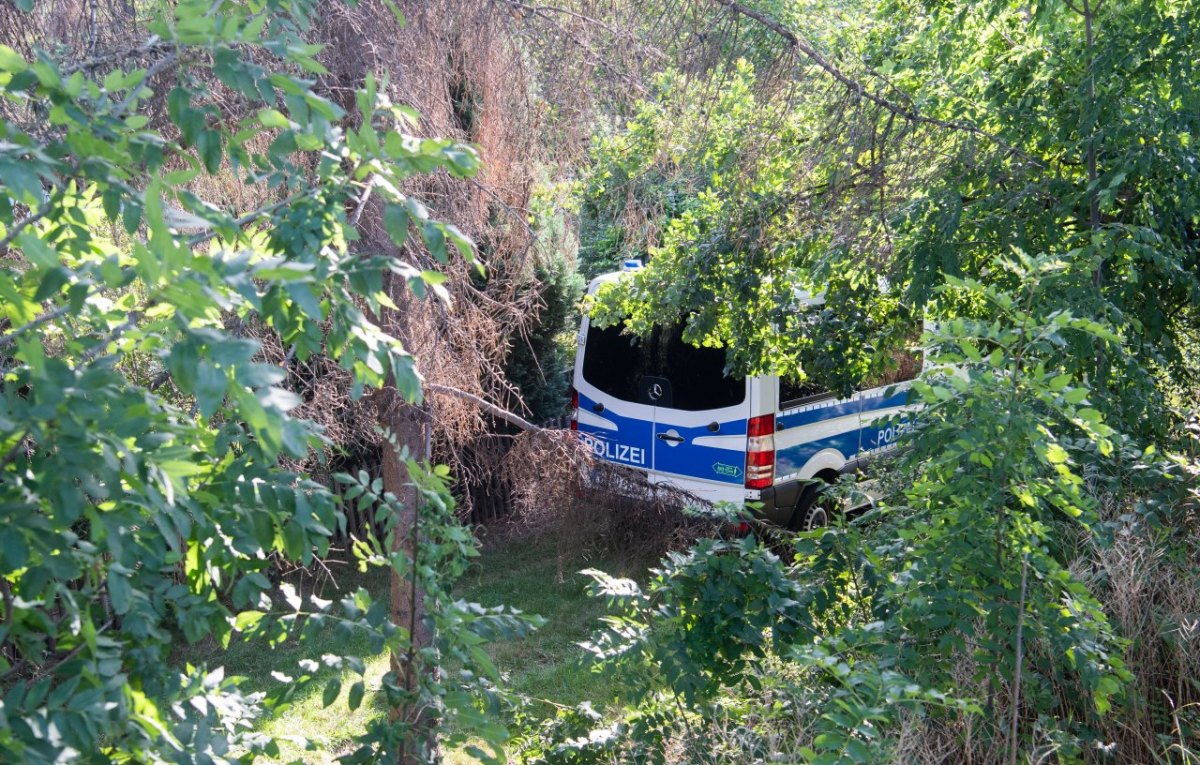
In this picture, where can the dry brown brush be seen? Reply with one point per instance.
(587, 505)
(455, 64)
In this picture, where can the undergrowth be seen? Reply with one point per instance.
(546, 668)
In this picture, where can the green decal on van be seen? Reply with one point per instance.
(729, 471)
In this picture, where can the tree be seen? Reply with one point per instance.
(951, 135)
(143, 443)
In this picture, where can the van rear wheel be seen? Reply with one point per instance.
(814, 509)
(815, 517)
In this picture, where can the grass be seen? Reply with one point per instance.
(307, 719)
(548, 663)
(545, 666)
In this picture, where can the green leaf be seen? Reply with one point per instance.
(247, 619)
(1056, 455)
(11, 61)
(178, 102)
(1060, 382)
(332, 689)
(208, 143)
(395, 219)
(211, 384)
(435, 239)
(14, 551)
(37, 251)
(259, 375)
(857, 750)
(295, 438)
(183, 362)
(51, 283)
(273, 118)
(1075, 395)
(355, 696)
(462, 242)
(417, 211)
(120, 592)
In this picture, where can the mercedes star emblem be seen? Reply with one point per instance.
(655, 392)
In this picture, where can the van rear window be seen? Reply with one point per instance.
(616, 363)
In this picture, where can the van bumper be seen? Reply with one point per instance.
(779, 501)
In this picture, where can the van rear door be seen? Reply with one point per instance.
(660, 404)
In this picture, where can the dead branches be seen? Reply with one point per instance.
(490, 408)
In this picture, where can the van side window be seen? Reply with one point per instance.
(794, 392)
(904, 365)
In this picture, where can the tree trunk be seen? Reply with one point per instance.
(410, 426)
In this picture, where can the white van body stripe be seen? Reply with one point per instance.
(815, 432)
(733, 443)
(884, 414)
(709, 491)
(827, 459)
(595, 420)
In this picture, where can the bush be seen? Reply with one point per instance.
(542, 361)
(143, 495)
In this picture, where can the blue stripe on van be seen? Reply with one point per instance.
(842, 409)
(793, 458)
(631, 443)
(706, 462)
(883, 401)
(810, 416)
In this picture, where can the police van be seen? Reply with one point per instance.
(665, 407)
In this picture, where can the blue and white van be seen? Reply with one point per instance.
(666, 408)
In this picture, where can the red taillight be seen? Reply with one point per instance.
(574, 409)
(763, 425)
(760, 452)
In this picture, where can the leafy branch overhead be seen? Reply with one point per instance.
(995, 126)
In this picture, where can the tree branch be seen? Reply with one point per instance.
(49, 670)
(541, 11)
(857, 87)
(8, 339)
(153, 44)
(12, 454)
(595, 58)
(487, 406)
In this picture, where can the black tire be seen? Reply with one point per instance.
(816, 516)
(815, 509)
